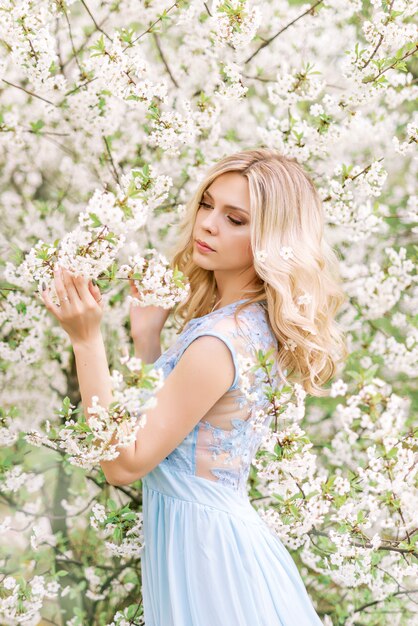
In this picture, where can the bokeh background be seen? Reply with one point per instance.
(92, 92)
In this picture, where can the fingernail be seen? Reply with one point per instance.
(43, 286)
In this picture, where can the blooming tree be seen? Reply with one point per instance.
(109, 113)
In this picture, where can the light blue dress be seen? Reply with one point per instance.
(209, 559)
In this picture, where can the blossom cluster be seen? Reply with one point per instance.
(155, 282)
(88, 442)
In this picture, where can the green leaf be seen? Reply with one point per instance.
(129, 516)
(99, 46)
(95, 220)
(36, 126)
(111, 504)
(355, 375)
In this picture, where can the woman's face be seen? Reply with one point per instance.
(223, 223)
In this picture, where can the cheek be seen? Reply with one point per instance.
(244, 246)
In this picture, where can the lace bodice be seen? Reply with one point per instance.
(223, 443)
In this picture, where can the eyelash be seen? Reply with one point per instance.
(230, 218)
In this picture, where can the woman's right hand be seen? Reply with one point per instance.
(146, 320)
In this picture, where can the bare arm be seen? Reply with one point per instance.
(79, 312)
(146, 327)
(203, 374)
(148, 349)
(94, 380)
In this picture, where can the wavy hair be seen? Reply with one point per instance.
(303, 291)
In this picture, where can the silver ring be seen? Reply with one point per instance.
(66, 298)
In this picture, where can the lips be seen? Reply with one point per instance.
(202, 243)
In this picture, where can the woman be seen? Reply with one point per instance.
(261, 278)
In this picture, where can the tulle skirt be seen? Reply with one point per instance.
(210, 560)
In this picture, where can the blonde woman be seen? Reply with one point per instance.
(262, 278)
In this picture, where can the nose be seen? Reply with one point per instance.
(209, 222)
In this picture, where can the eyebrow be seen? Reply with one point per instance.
(228, 206)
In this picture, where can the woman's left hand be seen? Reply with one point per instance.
(81, 306)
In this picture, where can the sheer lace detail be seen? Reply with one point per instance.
(223, 444)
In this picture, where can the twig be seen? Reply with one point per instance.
(69, 93)
(94, 21)
(175, 83)
(104, 278)
(379, 43)
(63, 148)
(268, 41)
(150, 27)
(263, 80)
(367, 544)
(374, 602)
(115, 172)
(408, 54)
(207, 9)
(83, 45)
(72, 41)
(363, 171)
(31, 93)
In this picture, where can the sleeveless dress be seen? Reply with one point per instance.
(208, 557)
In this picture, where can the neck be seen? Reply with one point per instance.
(223, 300)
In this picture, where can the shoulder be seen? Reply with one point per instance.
(208, 357)
(221, 338)
(248, 327)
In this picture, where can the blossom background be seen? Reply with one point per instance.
(110, 112)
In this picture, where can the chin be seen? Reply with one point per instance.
(201, 262)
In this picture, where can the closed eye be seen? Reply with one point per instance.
(236, 222)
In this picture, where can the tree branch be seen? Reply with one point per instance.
(268, 41)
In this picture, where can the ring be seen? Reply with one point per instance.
(100, 300)
(66, 298)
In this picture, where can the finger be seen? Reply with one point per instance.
(95, 292)
(81, 285)
(134, 289)
(64, 298)
(69, 286)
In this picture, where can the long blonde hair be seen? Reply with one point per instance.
(286, 212)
